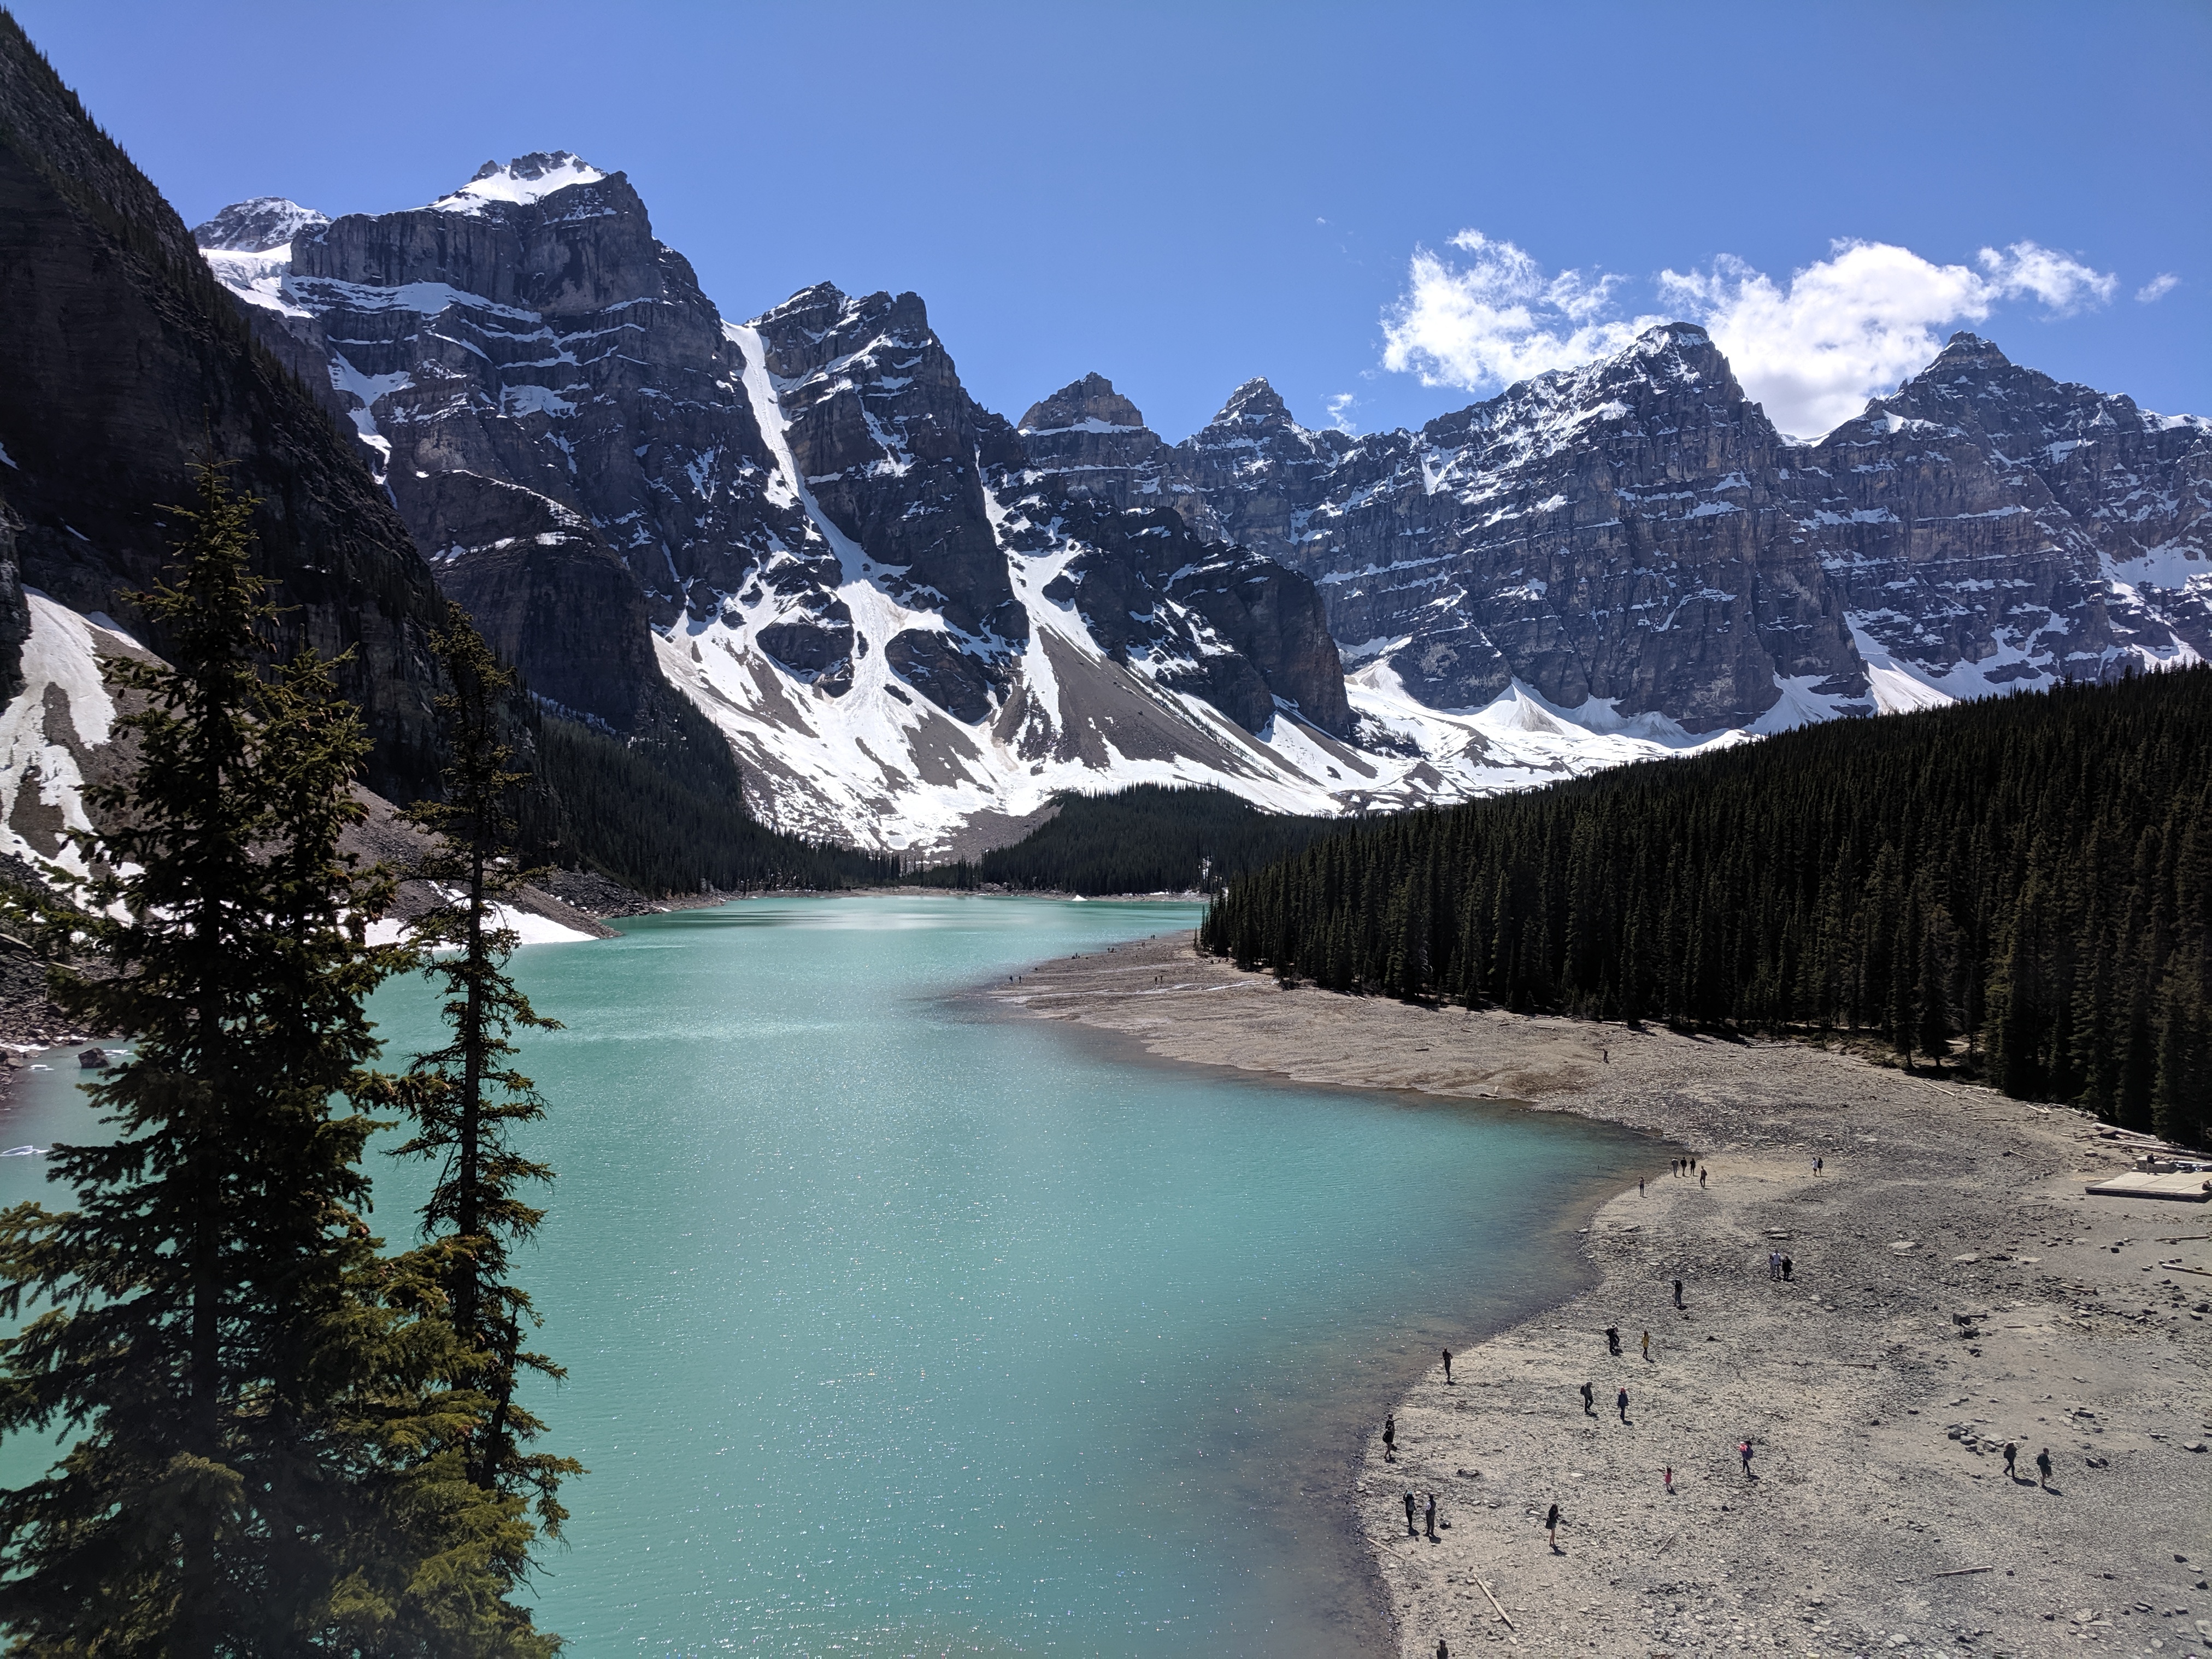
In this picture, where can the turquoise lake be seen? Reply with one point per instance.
(894, 1327)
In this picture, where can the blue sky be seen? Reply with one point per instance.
(1184, 196)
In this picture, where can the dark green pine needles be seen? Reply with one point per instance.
(2032, 874)
(464, 1097)
(269, 1423)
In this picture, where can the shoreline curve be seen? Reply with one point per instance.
(1878, 1512)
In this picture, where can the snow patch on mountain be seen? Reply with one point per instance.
(526, 179)
(260, 224)
(48, 733)
(877, 763)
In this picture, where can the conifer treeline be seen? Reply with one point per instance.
(598, 803)
(1150, 838)
(2031, 874)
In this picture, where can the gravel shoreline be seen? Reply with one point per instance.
(1882, 1519)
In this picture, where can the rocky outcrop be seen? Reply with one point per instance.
(122, 364)
(261, 224)
(1995, 528)
(555, 408)
(1251, 473)
(1095, 444)
(1243, 632)
(888, 442)
(15, 609)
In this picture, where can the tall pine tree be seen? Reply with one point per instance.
(466, 1098)
(252, 1390)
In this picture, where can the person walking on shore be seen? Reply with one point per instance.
(1744, 1452)
(1667, 1476)
(1411, 1531)
(1647, 1348)
(1773, 1264)
(2012, 1453)
(1390, 1440)
(1678, 1292)
(2043, 1468)
(1701, 1179)
(1432, 1517)
(1551, 1527)
(1639, 1185)
(1621, 1403)
(1613, 1338)
(1447, 1365)
(1788, 1267)
(1590, 1401)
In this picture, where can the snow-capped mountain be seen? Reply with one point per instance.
(914, 621)
(909, 630)
(1635, 536)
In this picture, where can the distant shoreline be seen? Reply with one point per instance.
(1936, 1200)
(640, 906)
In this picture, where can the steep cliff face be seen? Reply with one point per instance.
(887, 443)
(1593, 534)
(121, 364)
(1608, 537)
(593, 460)
(1633, 540)
(1988, 527)
(550, 400)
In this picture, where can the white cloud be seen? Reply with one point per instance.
(1498, 318)
(2064, 285)
(1340, 413)
(1850, 327)
(2158, 288)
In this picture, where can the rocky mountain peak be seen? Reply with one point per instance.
(1967, 351)
(1671, 354)
(1253, 404)
(1973, 384)
(1089, 404)
(260, 224)
(823, 325)
(524, 180)
(823, 302)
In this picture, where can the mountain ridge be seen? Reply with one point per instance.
(910, 616)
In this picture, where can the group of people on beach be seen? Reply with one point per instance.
(1780, 1268)
(1390, 1455)
(1412, 1531)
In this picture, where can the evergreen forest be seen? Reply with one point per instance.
(2022, 884)
(650, 821)
(1152, 838)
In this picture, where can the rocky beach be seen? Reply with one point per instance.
(1953, 1289)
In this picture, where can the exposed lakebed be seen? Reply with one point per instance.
(895, 1329)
